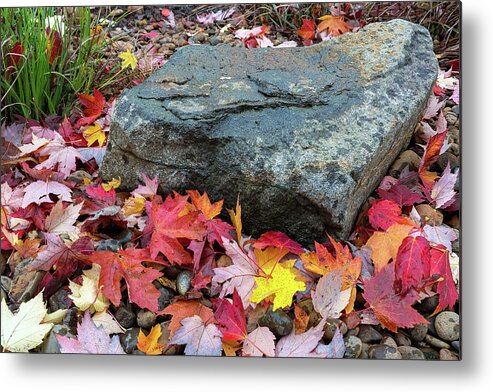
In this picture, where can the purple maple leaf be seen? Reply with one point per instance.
(90, 340)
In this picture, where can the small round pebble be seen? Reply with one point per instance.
(382, 351)
(365, 351)
(430, 353)
(146, 318)
(432, 341)
(331, 326)
(409, 352)
(354, 346)
(402, 340)
(419, 332)
(389, 341)
(447, 355)
(183, 282)
(368, 334)
(447, 325)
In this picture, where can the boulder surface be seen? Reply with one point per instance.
(304, 135)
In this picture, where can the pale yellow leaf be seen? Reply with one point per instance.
(23, 330)
(88, 295)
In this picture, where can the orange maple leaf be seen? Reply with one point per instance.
(322, 262)
(183, 309)
(236, 219)
(385, 244)
(149, 344)
(334, 25)
(202, 203)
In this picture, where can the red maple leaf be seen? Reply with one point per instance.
(412, 263)
(102, 197)
(446, 289)
(431, 154)
(278, 240)
(384, 213)
(94, 107)
(172, 224)
(13, 58)
(216, 228)
(64, 259)
(307, 30)
(127, 264)
(392, 310)
(231, 317)
(401, 195)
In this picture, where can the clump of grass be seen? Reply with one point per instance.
(49, 55)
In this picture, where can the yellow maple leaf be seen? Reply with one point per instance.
(88, 295)
(113, 184)
(235, 217)
(149, 344)
(94, 133)
(268, 258)
(24, 330)
(133, 205)
(385, 244)
(129, 60)
(230, 347)
(282, 285)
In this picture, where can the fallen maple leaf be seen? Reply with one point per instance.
(59, 155)
(39, 192)
(282, 284)
(59, 253)
(401, 195)
(446, 289)
(170, 225)
(307, 30)
(108, 322)
(94, 107)
(430, 156)
(200, 339)
(278, 240)
(235, 217)
(335, 349)
(230, 317)
(129, 60)
(62, 220)
(88, 295)
(239, 275)
(328, 298)
(383, 214)
(412, 263)
(302, 345)
(149, 344)
(127, 264)
(440, 235)
(149, 189)
(432, 108)
(301, 319)
(90, 340)
(259, 342)
(392, 310)
(94, 133)
(183, 309)
(216, 228)
(335, 25)
(24, 331)
(443, 190)
(384, 245)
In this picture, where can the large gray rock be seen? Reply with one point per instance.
(304, 135)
